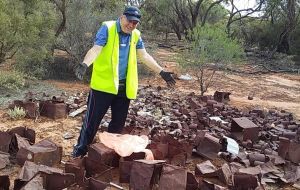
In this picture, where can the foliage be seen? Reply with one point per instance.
(33, 64)
(264, 35)
(210, 44)
(255, 33)
(295, 41)
(36, 35)
(158, 15)
(286, 15)
(16, 113)
(83, 21)
(217, 13)
(12, 24)
(11, 80)
(31, 29)
(180, 16)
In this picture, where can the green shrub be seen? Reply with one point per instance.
(16, 113)
(11, 80)
(34, 65)
(211, 44)
(35, 52)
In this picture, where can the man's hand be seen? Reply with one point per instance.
(80, 70)
(168, 78)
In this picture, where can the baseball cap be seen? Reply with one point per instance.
(132, 13)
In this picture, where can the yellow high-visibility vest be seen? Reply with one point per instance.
(105, 75)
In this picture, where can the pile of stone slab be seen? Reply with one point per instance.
(54, 107)
(182, 129)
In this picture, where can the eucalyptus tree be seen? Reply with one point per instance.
(35, 53)
(138, 3)
(61, 6)
(12, 23)
(183, 15)
(285, 14)
(83, 19)
(237, 14)
(273, 30)
(27, 33)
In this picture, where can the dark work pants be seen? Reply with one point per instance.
(98, 104)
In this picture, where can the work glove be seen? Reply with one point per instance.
(168, 78)
(80, 70)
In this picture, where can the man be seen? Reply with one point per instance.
(114, 79)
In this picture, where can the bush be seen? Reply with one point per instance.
(263, 34)
(210, 44)
(35, 51)
(35, 63)
(11, 80)
(12, 24)
(84, 20)
(16, 113)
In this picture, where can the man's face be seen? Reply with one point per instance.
(128, 26)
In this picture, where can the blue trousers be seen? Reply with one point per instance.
(98, 104)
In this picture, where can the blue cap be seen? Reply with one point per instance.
(132, 13)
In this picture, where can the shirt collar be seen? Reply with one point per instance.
(119, 30)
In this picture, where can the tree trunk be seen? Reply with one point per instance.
(62, 8)
(284, 46)
(166, 35)
(176, 29)
(178, 34)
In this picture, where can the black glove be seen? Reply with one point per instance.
(168, 77)
(80, 70)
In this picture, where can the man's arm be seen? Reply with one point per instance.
(148, 60)
(92, 54)
(89, 58)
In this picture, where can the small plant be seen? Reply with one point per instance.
(11, 80)
(16, 113)
(209, 48)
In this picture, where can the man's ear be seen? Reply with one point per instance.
(122, 18)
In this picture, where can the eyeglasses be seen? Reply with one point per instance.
(134, 22)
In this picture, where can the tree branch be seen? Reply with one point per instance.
(207, 11)
(62, 8)
(232, 14)
(13, 54)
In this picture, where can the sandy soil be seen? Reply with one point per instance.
(271, 91)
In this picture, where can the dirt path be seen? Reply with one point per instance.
(272, 91)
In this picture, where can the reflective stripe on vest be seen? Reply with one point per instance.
(105, 76)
